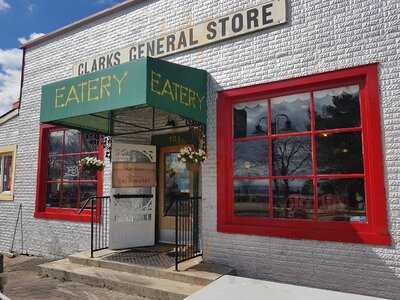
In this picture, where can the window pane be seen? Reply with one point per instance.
(7, 172)
(72, 141)
(54, 168)
(90, 142)
(341, 200)
(251, 158)
(53, 194)
(70, 195)
(293, 198)
(251, 198)
(250, 119)
(339, 153)
(56, 142)
(337, 108)
(87, 190)
(291, 156)
(290, 113)
(71, 167)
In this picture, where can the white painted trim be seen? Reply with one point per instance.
(9, 116)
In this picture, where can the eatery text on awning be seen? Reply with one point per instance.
(84, 102)
(266, 15)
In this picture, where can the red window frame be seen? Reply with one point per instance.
(375, 231)
(67, 214)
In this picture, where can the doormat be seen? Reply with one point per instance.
(159, 256)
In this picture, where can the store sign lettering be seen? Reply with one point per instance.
(89, 90)
(266, 15)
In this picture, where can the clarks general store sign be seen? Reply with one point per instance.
(268, 14)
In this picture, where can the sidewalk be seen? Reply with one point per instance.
(24, 283)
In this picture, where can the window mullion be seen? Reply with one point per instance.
(270, 166)
(314, 158)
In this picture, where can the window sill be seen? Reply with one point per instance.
(333, 235)
(63, 215)
(6, 197)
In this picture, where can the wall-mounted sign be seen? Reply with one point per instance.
(131, 174)
(266, 15)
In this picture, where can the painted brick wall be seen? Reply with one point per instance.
(320, 36)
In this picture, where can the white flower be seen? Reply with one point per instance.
(183, 159)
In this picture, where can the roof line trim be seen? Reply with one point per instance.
(87, 20)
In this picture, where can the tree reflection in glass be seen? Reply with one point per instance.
(251, 198)
(293, 198)
(251, 158)
(337, 108)
(291, 156)
(339, 153)
(250, 119)
(341, 200)
(290, 113)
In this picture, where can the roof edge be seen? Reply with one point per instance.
(9, 115)
(87, 20)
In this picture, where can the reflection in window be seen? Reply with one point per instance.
(293, 198)
(70, 195)
(250, 119)
(341, 200)
(339, 153)
(291, 156)
(5, 172)
(72, 141)
(251, 198)
(251, 158)
(176, 183)
(54, 167)
(56, 142)
(290, 113)
(71, 167)
(337, 108)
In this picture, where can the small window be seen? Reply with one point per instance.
(63, 186)
(303, 159)
(7, 167)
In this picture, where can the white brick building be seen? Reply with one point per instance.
(318, 37)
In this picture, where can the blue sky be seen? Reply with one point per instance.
(21, 20)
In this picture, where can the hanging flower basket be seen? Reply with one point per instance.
(192, 158)
(91, 164)
(193, 166)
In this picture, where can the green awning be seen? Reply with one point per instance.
(86, 102)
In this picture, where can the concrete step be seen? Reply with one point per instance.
(192, 272)
(124, 282)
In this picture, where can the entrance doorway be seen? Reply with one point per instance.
(176, 183)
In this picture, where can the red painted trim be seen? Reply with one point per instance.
(373, 232)
(65, 214)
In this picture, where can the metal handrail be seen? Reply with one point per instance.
(100, 228)
(84, 205)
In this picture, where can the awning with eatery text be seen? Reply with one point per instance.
(85, 102)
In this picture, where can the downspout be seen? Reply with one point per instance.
(22, 78)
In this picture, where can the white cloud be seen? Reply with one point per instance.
(10, 73)
(10, 76)
(33, 36)
(4, 5)
(31, 7)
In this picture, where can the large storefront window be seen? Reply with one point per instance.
(303, 159)
(63, 186)
(7, 166)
